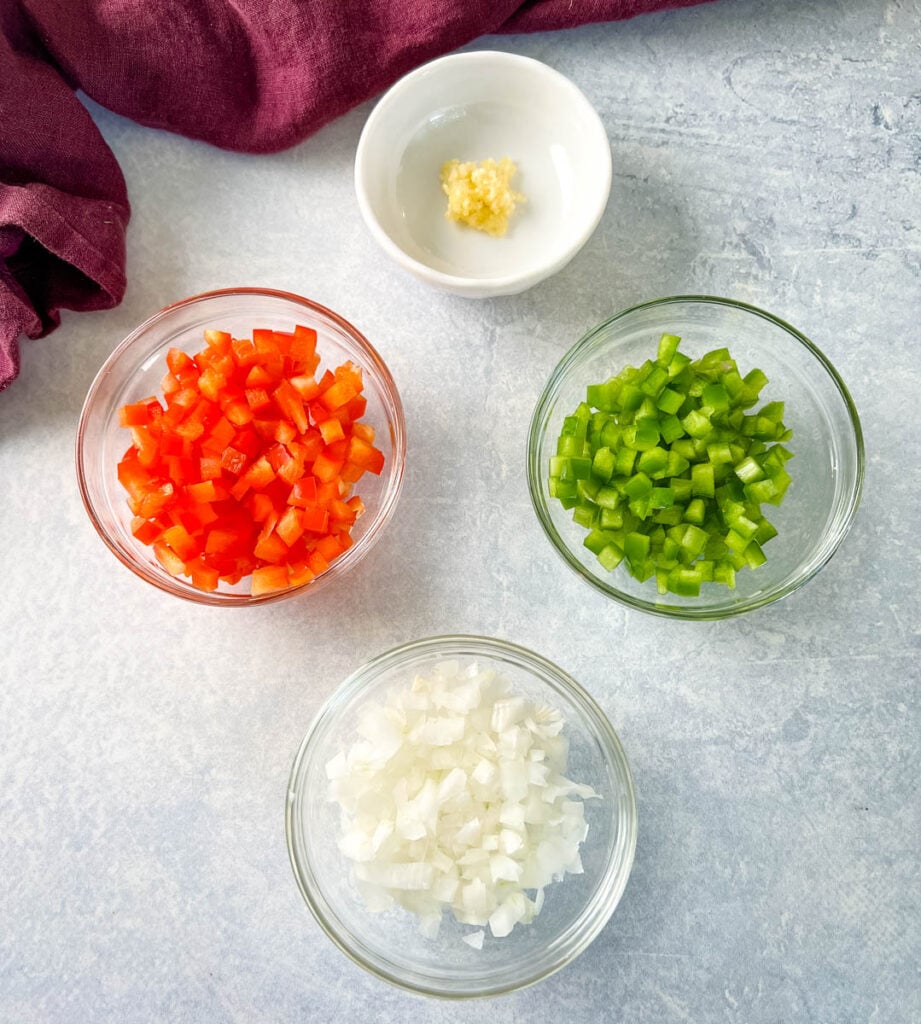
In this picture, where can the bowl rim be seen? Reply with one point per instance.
(397, 431)
(613, 881)
(458, 282)
(535, 473)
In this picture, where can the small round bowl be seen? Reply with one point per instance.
(827, 443)
(137, 366)
(474, 106)
(389, 943)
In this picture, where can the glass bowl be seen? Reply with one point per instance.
(389, 943)
(135, 370)
(827, 442)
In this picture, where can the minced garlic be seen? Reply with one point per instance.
(480, 194)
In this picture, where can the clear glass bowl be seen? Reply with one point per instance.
(137, 366)
(827, 442)
(389, 944)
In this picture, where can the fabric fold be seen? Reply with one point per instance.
(249, 75)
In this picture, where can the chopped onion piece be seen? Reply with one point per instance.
(474, 939)
(512, 909)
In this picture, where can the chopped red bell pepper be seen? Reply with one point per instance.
(244, 466)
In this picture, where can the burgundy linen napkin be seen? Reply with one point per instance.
(249, 75)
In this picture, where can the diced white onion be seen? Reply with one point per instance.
(455, 798)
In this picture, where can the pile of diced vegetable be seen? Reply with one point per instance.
(454, 798)
(245, 467)
(667, 467)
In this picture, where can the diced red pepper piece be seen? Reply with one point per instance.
(338, 394)
(315, 519)
(178, 361)
(290, 527)
(331, 430)
(304, 492)
(232, 460)
(360, 453)
(329, 547)
(317, 563)
(181, 541)
(326, 468)
(204, 577)
(299, 573)
(220, 340)
(168, 558)
(291, 405)
(268, 579)
(271, 549)
(145, 530)
(139, 413)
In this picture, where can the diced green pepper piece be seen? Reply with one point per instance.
(754, 381)
(719, 453)
(702, 484)
(603, 464)
(716, 397)
(640, 506)
(655, 381)
(694, 540)
(684, 447)
(724, 572)
(760, 491)
(670, 429)
(631, 397)
(611, 518)
(623, 463)
(670, 516)
(684, 582)
(647, 411)
(678, 366)
(696, 424)
(661, 497)
(586, 516)
(766, 531)
(735, 541)
(677, 464)
(608, 497)
(569, 445)
(562, 489)
(638, 486)
(642, 436)
(597, 540)
(636, 547)
(668, 347)
(587, 490)
(670, 401)
(749, 470)
(610, 557)
(604, 396)
(733, 384)
(695, 511)
(682, 489)
(754, 556)
(653, 460)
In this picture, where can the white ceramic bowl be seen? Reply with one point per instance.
(474, 106)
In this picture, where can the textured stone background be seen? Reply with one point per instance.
(769, 151)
